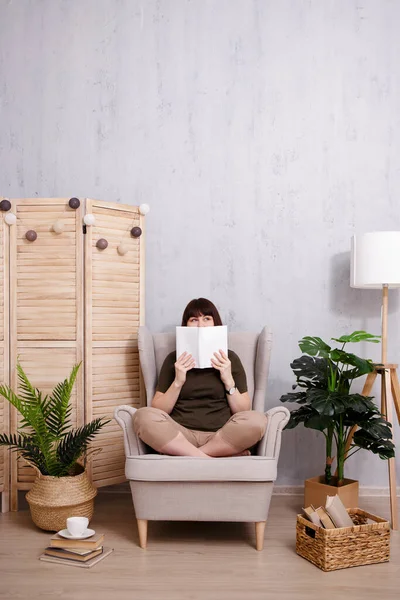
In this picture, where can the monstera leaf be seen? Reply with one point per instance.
(310, 419)
(310, 371)
(301, 415)
(362, 365)
(326, 403)
(376, 426)
(358, 336)
(299, 397)
(362, 406)
(314, 346)
(366, 440)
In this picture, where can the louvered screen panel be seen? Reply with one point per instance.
(47, 304)
(4, 452)
(114, 309)
(46, 272)
(4, 357)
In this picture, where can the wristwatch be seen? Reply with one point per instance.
(231, 391)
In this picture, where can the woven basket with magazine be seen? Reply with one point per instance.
(367, 542)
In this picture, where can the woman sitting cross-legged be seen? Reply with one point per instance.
(201, 412)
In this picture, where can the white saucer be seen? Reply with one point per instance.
(86, 534)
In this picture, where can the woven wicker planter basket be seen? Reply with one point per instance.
(53, 499)
(331, 549)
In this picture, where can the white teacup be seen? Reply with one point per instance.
(77, 525)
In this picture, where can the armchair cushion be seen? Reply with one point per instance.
(156, 467)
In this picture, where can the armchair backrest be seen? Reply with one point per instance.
(253, 349)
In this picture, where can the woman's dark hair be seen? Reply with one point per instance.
(201, 306)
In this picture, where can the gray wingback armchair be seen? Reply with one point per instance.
(183, 488)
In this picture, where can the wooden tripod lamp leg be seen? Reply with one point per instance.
(369, 383)
(387, 399)
(395, 392)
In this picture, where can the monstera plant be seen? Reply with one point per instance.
(324, 376)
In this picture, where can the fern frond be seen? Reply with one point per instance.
(28, 392)
(27, 447)
(59, 409)
(32, 408)
(76, 442)
(13, 399)
(31, 396)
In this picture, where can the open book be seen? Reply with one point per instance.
(201, 343)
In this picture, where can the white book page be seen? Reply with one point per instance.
(187, 340)
(201, 343)
(211, 339)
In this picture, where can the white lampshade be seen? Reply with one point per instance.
(375, 260)
(10, 218)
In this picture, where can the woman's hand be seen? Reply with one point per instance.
(222, 363)
(184, 363)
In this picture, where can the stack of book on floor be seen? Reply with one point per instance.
(76, 552)
(330, 516)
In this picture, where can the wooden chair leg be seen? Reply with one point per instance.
(14, 499)
(142, 527)
(260, 530)
(5, 502)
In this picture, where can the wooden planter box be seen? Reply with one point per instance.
(315, 492)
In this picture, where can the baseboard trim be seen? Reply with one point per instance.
(279, 490)
(298, 490)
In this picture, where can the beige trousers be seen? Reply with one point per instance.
(156, 428)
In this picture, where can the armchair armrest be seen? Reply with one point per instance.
(132, 443)
(270, 445)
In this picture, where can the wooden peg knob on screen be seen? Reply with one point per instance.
(122, 249)
(10, 218)
(101, 244)
(136, 232)
(74, 203)
(31, 235)
(5, 205)
(58, 227)
(144, 209)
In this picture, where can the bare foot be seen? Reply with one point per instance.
(243, 453)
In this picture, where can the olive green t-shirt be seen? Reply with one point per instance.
(202, 403)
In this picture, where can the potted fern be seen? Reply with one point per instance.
(349, 421)
(46, 441)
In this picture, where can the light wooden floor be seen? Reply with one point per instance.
(188, 561)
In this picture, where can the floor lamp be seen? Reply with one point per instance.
(375, 264)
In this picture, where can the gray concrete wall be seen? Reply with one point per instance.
(263, 134)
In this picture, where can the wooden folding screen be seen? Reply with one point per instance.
(69, 302)
(46, 307)
(4, 361)
(114, 308)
